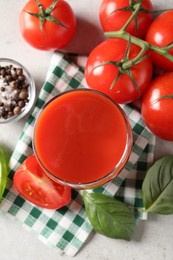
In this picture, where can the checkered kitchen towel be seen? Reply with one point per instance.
(68, 228)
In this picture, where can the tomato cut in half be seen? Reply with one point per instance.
(35, 186)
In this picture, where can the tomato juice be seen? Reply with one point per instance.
(82, 138)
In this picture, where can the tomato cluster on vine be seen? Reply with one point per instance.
(139, 48)
(136, 61)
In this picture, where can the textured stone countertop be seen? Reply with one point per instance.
(153, 238)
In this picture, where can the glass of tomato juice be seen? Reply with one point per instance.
(82, 138)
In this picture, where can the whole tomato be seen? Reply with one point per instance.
(104, 71)
(114, 15)
(160, 33)
(48, 25)
(157, 105)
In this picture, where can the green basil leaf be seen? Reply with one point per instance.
(109, 216)
(3, 173)
(157, 188)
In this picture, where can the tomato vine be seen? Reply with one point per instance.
(145, 46)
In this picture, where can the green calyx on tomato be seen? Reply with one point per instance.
(145, 45)
(136, 7)
(111, 66)
(45, 14)
(133, 16)
(123, 66)
(127, 67)
(48, 24)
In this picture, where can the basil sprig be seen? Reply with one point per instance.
(109, 216)
(157, 188)
(3, 173)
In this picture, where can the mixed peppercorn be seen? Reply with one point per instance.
(14, 94)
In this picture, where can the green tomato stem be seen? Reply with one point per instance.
(134, 13)
(41, 9)
(122, 34)
(126, 36)
(44, 15)
(164, 51)
(51, 7)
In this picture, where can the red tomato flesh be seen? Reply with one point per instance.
(35, 186)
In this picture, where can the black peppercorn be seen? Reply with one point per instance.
(13, 91)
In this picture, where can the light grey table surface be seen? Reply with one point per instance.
(153, 238)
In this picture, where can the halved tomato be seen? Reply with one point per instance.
(35, 186)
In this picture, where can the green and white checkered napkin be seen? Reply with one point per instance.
(68, 228)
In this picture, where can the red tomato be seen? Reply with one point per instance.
(113, 17)
(52, 35)
(157, 105)
(100, 76)
(34, 185)
(160, 33)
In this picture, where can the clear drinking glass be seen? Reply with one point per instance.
(82, 138)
